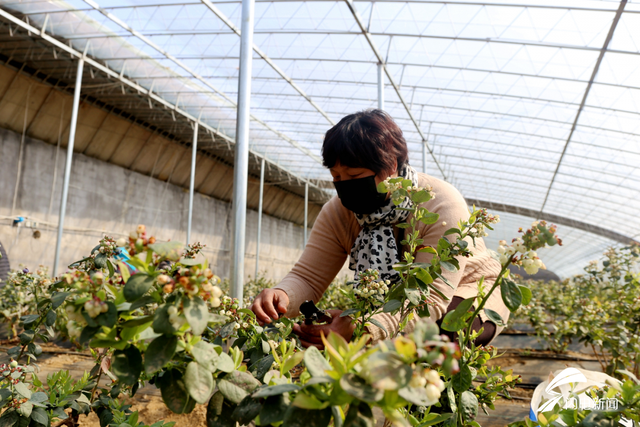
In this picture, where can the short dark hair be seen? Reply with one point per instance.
(367, 139)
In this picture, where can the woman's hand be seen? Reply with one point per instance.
(310, 334)
(269, 305)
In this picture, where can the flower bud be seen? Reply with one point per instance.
(141, 229)
(121, 242)
(215, 302)
(216, 292)
(433, 393)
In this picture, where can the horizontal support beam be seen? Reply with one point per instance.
(555, 219)
(142, 91)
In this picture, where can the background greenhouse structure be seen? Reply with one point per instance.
(530, 109)
(204, 120)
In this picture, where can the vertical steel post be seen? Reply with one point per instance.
(192, 178)
(67, 166)
(380, 86)
(259, 217)
(241, 164)
(424, 156)
(306, 210)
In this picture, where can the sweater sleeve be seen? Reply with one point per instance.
(452, 208)
(322, 258)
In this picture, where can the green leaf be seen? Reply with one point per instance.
(159, 353)
(57, 298)
(429, 218)
(22, 389)
(247, 411)
(87, 333)
(468, 406)
(299, 417)
(220, 411)
(350, 311)
(359, 415)
(197, 314)
(100, 261)
(206, 355)
(423, 275)
(137, 286)
(50, 319)
(378, 324)
(315, 362)
(494, 317)
(392, 305)
(161, 323)
(145, 300)
(511, 294)
(112, 270)
(444, 280)
(199, 382)
(433, 419)
(262, 366)
(420, 197)
(225, 363)
(456, 320)
(462, 380)
(9, 418)
(137, 321)
(109, 318)
(174, 392)
(40, 416)
(526, 294)
(29, 319)
(276, 390)
(292, 361)
(358, 388)
(127, 365)
(414, 295)
(448, 266)
(428, 249)
(237, 385)
(308, 401)
(273, 410)
(443, 244)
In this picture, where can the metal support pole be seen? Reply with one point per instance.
(259, 217)
(241, 164)
(424, 157)
(192, 178)
(306, 210)
(380, 86)
(67, 165)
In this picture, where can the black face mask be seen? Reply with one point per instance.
(360, 195)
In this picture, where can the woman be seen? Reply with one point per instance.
(361, 151)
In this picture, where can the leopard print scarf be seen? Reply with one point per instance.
(376, 247)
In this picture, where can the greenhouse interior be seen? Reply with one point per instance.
(319, 213)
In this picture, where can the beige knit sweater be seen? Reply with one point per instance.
(336, 229)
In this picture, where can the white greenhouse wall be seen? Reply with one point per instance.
(108, 199)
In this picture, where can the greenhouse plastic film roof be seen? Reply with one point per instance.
(531, 105)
